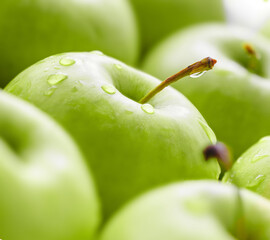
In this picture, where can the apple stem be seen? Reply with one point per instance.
(254, 57)
(221, 152)
(197, 67)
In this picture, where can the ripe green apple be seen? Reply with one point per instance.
(252, 169)
(159, 18)
(46, 190)
(234, 97)
(192, 210)
(31, 30)
(131, 147)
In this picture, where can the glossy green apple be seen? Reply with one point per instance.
(31, 30)
(192, 210)
(252, 169)
(234, 97)
(159, 18)
(46, 190)
(131, 147)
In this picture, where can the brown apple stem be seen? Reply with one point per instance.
(254, 57)
(197, 67)
(223, 156)
(221, 153)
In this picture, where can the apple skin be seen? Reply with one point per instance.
(192, 210)
(159, 18)
(46, 190)
(34, 29)
(234, 101)
(128, 149)
(251, 170)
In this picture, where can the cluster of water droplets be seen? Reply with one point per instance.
(259, 178)
(54, 79)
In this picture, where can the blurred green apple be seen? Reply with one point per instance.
(46, 190)
(204, 210)
(130, 146)
(252, 169)
(31, 30)
(234, 97)
(247, 13)
(159, 18)
(266, 29)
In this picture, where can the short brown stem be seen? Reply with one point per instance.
(197, 67)
(221, 153)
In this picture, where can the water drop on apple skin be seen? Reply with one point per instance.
(67, 61)
(258, 157)
(108, 89)
(50, 91)
(74, 89)
(148, 108)
(118, 66)
(255, 182)
(196, 75)
(56, 78)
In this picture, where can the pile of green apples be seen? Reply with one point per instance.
(95, 144)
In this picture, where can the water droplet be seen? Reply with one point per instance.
(80, 82)
(118, 66)
(108, 89)
(98, 53)
(254, 183)
(209, 132)
(148, 108)
(66, 61)
(259, 157)
(56, 78)
(74, 89)
(57, 68)
(50, 91)
(196, 75)
(46, 69)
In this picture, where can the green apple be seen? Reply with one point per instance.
(131, 147)
(247, 13)
(46, 190)
(252, 169)
(31, 30)
(234, 97)
(159, 18)
(192, 210)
